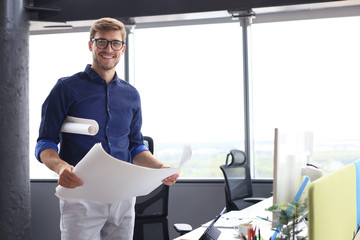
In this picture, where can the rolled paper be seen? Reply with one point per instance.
(80, 126)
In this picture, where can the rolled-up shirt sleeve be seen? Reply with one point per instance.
(136, 150)
(42, 145)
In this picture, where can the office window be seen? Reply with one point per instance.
(190, 82)
(306, 77)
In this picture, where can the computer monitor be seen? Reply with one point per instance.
(292, 152)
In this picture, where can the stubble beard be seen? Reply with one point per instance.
(103, 67)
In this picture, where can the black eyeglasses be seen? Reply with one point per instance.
(101, 43)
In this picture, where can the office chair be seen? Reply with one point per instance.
(238, 186)
(151, 215)
(149, 143)
(151, 210)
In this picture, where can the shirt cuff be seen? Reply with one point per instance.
(136, 150)
(42, 145)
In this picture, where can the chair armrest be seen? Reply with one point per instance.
(183, 228)
(254, 199)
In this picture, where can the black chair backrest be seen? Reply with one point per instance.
(237, 178)
(153, 205)
(151, 210)
(238, 157)
(149, 143)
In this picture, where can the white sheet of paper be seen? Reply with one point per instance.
(80, 126)
(107, 179)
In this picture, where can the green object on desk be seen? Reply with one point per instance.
(332, 205)
(284, 215)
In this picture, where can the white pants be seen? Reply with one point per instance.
(87, 220)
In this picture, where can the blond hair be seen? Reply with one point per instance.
(107, 24)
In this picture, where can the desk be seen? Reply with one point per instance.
(229, 220)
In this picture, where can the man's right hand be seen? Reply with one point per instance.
(68, 179)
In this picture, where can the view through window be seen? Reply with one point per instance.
(190, 82)
(306, 77)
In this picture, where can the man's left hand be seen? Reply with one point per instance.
(171, 179)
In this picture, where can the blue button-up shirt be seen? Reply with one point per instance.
(115, 106)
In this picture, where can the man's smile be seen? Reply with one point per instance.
(107, 56)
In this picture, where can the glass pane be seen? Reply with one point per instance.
(306, 77)
(190, 82)
(52, 56)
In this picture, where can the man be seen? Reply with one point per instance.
(96, 93)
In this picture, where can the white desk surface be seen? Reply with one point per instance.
(230, 220)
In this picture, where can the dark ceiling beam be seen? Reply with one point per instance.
(70, 10)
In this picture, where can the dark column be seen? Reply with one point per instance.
(14, 121)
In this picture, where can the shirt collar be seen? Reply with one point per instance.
(94, 76)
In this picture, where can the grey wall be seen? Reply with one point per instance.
(189, 202)
(45, 216)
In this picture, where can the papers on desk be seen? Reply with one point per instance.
(229, 222)
(233, 218)
(255, 214)
(107, 179)
(226, 223)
